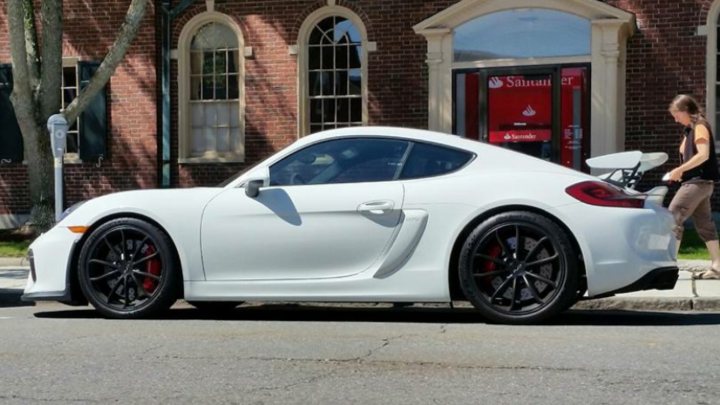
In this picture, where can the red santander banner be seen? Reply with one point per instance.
(520, 108)
(530, 135)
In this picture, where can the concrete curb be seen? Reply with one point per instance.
(13, 261)
(709, 304)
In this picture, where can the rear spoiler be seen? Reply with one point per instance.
(625, 169)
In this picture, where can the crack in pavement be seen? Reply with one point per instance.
(311, 380)
(385, 343)
(51, 400)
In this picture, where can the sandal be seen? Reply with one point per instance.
(711, 274)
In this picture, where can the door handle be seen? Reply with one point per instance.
(376, 207)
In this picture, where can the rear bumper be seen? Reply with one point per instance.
(622, 246)
(662, 278)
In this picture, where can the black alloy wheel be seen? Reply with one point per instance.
(519, 267)
(128, 269)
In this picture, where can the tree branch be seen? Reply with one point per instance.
(31, 44)
(51, 75)
(128, 31)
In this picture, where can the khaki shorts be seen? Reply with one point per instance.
(693, 200)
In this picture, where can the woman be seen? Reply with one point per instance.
(697, 173)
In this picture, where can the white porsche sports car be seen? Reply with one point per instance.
(364, 214)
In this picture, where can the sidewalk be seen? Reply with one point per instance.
(688, 294)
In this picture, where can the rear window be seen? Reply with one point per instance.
(428, 160)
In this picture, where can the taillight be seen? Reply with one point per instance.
(604, 194)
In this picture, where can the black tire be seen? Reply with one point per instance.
(215, 307)
(128, 269)
(519, 283)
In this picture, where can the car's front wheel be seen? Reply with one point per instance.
(128, 269)
(519, 267)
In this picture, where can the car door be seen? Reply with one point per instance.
(331, 210)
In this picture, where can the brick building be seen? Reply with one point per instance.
(211, 87)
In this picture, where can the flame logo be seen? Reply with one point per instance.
(495, 83)
(529, 112)
(507, 136)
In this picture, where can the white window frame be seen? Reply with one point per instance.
(184, 111)
(303, 56)
(71, 62)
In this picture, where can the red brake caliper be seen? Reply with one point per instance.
(152, 267)
(493, 251)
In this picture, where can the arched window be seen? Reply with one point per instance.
(332, 71)
(211, 92)
(522, 33)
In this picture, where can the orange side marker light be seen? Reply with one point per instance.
(78, 229)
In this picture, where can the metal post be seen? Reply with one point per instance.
(58, 127)
(168, 14)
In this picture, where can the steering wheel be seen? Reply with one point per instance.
(295, 178)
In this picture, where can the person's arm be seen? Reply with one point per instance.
(702, 144)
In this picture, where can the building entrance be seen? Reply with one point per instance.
(540, 111)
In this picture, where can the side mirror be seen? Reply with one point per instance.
(252, 188)
(256, 181)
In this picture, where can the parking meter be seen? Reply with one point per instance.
(58, 127)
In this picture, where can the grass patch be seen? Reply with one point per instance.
(14, 248)
(692, 247)
(14, 243)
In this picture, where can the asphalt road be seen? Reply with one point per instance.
(330, 355)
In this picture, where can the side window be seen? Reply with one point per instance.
(351, 160)
(427, 160)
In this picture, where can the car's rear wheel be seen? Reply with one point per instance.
(128, 269)
(519, 267)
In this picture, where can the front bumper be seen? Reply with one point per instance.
(62, 296)
(50, 266)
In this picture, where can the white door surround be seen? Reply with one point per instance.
(611, 27)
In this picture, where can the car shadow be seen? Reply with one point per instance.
(10, 297)
(411, 314)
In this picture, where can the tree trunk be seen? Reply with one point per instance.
(49, 98)
(36, 143)
(31, 43)
(36, 87)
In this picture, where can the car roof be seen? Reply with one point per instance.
(396, 132)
